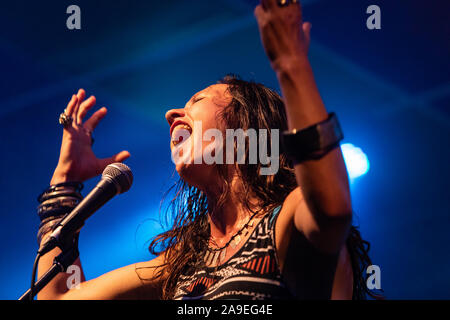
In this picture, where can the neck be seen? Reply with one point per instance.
(231, 215)
(226, 219)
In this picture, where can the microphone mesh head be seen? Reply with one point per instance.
(121, 174)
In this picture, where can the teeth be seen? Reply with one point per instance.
(182, 126)
(176, 140)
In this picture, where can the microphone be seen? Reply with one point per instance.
(116, 178)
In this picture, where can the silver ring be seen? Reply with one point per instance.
(283, 3)
(65, 120)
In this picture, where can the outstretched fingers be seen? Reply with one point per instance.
(95, 119)
(278, 4)
(119, 157)
(306, 27)
(85, 106)
(268, 4)
(71, 105)
(80, 97)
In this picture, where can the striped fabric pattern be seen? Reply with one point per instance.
(252, 273)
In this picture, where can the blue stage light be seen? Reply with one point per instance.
(356, 160)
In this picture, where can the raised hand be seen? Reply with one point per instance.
(284, 35)
(77, 161)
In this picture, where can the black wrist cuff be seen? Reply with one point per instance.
(313, 142)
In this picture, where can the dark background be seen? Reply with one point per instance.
(390, 88)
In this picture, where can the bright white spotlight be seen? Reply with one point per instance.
(355, 160)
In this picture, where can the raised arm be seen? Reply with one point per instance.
(77, 162)
(323, 207)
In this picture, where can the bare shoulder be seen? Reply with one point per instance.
(306, 254)
(285, 222)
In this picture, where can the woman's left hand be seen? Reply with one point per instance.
(284, 35)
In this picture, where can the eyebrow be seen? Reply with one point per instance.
(191, 99)
(194, 96)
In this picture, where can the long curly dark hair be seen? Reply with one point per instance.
(252, 106)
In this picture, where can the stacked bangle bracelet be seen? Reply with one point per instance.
(54, 203)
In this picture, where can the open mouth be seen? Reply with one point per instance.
(180, 133)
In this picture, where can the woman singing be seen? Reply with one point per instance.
(237, 233)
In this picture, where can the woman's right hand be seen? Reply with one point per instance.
(77, 161)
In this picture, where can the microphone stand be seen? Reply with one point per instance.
(60, 264)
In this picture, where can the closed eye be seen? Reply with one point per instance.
(197, 99)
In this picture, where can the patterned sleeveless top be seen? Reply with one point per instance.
(252, 273)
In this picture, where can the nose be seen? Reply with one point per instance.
(172, 114)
